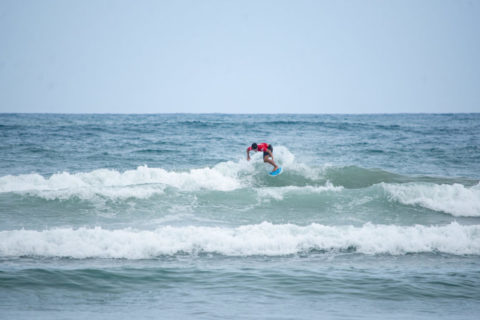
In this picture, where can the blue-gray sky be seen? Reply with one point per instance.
(239, 56)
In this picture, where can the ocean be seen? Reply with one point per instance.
(161, 216)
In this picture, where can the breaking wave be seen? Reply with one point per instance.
(454, 199)
(438, 194)
(259, 239)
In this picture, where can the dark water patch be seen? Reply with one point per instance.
(356, 177)
(155, 151)
(391, 127)
(10, 127)
(374, 151)
(291, 122)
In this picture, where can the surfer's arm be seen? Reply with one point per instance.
(248, 153)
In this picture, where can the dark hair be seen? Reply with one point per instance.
(254, 146)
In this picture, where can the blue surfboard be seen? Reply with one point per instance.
(276, 172)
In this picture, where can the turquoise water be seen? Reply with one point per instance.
(161, 216)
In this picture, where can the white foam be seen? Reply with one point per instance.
(140, 183)
(288, 161)
(278, 193)
(145, 182)
(259, 239)
(455, 199)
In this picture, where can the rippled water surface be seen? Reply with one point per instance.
(161, 216)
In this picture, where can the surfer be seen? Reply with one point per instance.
(267, 153)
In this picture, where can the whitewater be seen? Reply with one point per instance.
(115, 216)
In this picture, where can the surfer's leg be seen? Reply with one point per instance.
(268, 160)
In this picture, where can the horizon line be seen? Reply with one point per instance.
(226, 113)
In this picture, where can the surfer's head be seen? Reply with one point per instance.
(254, 146)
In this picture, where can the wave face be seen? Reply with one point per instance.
(262, 239)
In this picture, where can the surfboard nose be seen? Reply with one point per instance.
(276, 172)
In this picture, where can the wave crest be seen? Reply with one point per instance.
(140, 183)
(454, 199)
(260, 239)
(144, 182)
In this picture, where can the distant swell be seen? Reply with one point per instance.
(260, 239)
